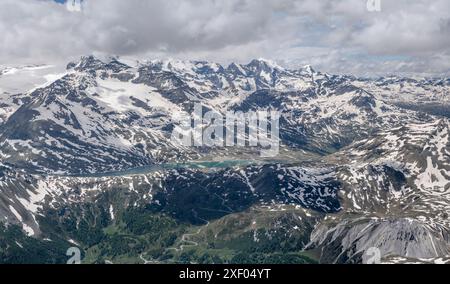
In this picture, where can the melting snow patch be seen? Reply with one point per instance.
(111, 212)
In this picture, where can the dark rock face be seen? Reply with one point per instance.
(349, 242)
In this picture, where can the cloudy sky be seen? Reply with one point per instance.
(406, 36)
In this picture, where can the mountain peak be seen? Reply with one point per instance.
(93, 63)
(265, 64)
(308, 69)
(236, 69)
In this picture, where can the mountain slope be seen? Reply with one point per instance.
(87, 159)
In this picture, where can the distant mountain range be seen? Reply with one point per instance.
(87, 161)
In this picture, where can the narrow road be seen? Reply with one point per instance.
(141, 256)
(184, 237)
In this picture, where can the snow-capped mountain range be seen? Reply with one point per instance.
(369, 158)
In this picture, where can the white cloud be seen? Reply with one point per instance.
(332, 35)
(74, 5)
